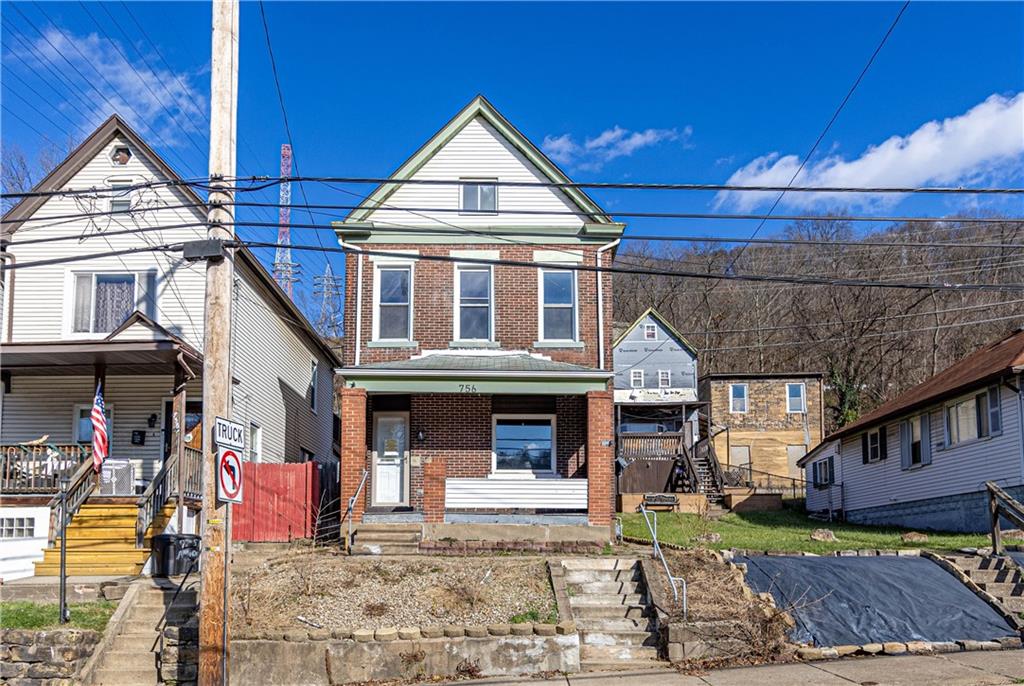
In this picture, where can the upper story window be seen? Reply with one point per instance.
(121, 155)
(393, 296)
(473, 303)
(558, 305)
(636, 378)
(480, 197)
(120, 196)
(650, 332)
(103, 301)
(664, 378)
(796, 398)
(738, 397)
(974, 417)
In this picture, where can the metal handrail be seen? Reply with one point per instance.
(653, 528)
(352, 504)
(81, 484)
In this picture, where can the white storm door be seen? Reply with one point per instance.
(390, 451)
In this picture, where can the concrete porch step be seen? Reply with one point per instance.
(598, 563)
(989, 576)
(618, 637)
(368, 548)
(386, 536)
(128, 660)
(603, 600)
(125, 677)
(604, 588)
(387, 528)
(588, 612)
(584, 576)
(1013, 603)
(611, 624)
(176, 613)
(971, 562)
(617, 652)
(1004, 590)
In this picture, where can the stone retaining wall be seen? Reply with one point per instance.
(454, 547)
(44, 658)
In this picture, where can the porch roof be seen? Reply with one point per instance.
(444, 373)
(50, 358)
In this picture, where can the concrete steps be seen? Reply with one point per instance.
(386, 539)
(609, 603)
(995, 575)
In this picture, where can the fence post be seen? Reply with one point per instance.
(997, 536)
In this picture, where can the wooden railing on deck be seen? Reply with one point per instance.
(164, 486)
(1002, 505)
(82, 483)
(765, 482)
(639, 445)
(39, 468)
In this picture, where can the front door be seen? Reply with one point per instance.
(391, 448)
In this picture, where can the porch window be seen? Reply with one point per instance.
(480, 197)
(796, 398)
(83, 422)
(103, 301)
(738, 397)
(524, 444)
(394, 297)
(664, 378)
(636, 378)
(558, 304)
(473, 293)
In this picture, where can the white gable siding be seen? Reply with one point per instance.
(478, 151)
(42, 296)
(271, 361)
(959, 469)
(829, 498)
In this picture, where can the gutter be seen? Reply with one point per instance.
(6, 256)
(600, 302)
(359, 296)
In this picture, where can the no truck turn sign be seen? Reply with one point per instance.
(230, 443)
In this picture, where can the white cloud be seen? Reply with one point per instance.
(984, 144)
(170, 108)
(593, 153)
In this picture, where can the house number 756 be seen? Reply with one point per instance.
(467, 388)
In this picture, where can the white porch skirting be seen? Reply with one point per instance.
(507, 494)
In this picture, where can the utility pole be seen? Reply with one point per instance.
(215, 586)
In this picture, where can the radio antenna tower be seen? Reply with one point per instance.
(328, 288)
(286, 272)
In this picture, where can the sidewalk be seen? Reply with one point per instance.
(950, 669)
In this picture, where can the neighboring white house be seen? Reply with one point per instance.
(921, 460)
(134, 322)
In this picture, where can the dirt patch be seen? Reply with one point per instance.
(334, 591)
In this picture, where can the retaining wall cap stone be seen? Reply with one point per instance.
(498, 629)
(319, 635)
(476, 631)
(363, 635)
(872, 648)
(843, 651)
(452, 631)
(296, 635)
(408, 633)
(894, 648)
(565, 628)
(522, 629)
(386, 634)
(341, 634)
(432, 631)
(544, 629)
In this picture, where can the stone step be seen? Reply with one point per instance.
(621, 624)
(124, 660)
(386, 537)
(149, 626)
(389, 528)
(1013, 603)
(599, 563)
(989, 576)
(385, 548)
(634, 637)
(601, 600)
(605, 588)
(613, 653)
(609, 611)
(135, 643)
(125, 677)
(1004, 590)
(176, 612)
(583, 576)
(970, 562)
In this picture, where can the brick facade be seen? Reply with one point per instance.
(600, 458)
(353, 447)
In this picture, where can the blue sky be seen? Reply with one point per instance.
(683, 92)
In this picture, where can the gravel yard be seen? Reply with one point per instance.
(335, 591)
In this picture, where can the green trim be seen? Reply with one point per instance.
(664, 322)
(477, 107)
(363, 233)
(469, 385)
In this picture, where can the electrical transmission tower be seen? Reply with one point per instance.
(328, 289)
(286, 272)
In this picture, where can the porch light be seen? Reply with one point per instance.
(151, 421)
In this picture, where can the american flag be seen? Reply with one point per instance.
(99, 430)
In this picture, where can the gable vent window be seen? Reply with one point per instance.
(121, 156)
(480, 197)
(650, 332)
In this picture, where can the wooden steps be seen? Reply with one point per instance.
(101, 542)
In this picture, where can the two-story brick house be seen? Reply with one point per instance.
(477, 361)
(764, 422)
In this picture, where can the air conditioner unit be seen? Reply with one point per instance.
(117, 477)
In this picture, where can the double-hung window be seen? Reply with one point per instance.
(480, 197)
(636, 378)
(558, 305)
(974, 417)
(914, 436)
(796, 398)
(394, 303)
(102, 301)
(823, 473)
(524, 443)
(738, 397)
(473, 303)
(664, 378)
(255, 442)
(120, 196)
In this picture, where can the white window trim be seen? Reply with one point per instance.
(69, 299)
(946, 428)
(635, 374)
(118, 182)
(524, 473)
(667, 377)
(483, 182)
(653, 329)
(746, 399)
(375, 314)
(878, 437)
(108, 407)
(540, 305)
(314, 374)
(456, 304)
(803, 399)
(256, 455)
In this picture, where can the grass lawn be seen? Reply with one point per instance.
(23, 614)
(787, 530)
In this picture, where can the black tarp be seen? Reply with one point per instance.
(856, 600)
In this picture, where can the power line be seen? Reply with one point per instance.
(92, 256)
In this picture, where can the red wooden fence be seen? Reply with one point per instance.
(279, 502)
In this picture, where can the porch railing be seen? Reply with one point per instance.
(39, 468)
(164, 486)
(640, 445)
(704, 451)
(792, 488)
(80, 485)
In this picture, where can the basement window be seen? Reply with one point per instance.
(17, 527)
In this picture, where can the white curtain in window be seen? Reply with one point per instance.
(115, 300)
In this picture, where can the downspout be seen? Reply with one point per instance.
(359, 297)
(9, 287)
(600, 303)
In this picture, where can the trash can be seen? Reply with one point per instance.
(174, 554)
